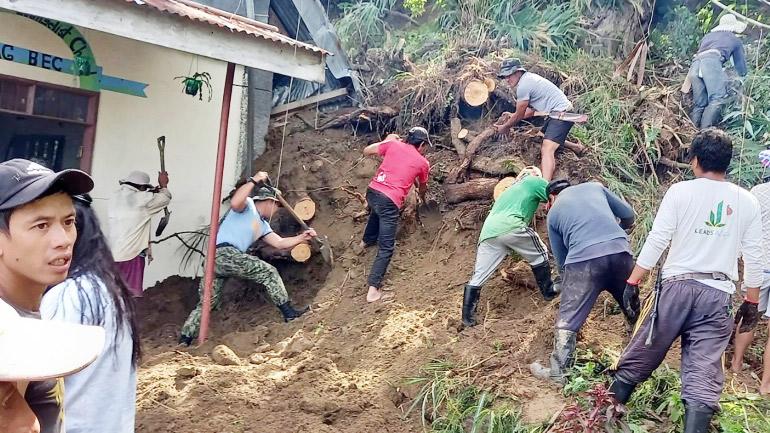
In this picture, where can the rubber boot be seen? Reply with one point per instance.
(185, 340)
(711, 115)
(543, 277)
(697, 417)
(289, 313)
(622, 391)
(696, 115)
(564, 342)
(470, 300)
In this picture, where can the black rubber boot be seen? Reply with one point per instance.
(185, 340)
(470, 300)
(543, 277)
(564, 342)
(289, 313)
(621, 391)
(697, 417)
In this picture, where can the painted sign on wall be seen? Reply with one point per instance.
(50, 62)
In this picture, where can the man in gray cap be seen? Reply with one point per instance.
(535, 93)
(707, 77)
(37, 234)
(130, 219)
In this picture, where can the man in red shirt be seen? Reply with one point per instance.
(403, 165)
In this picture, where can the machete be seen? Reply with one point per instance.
(166, 213)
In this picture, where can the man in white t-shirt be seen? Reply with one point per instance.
(708, 223)
(743, 340)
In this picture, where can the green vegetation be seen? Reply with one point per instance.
(447, 402)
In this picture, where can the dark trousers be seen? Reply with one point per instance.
(701, 316)
(582, 283)
(381, 228)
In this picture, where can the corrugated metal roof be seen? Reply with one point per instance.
(198, 12)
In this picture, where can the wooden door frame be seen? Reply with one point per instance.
(89, 133)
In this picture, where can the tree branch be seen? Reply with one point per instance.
(741, 16)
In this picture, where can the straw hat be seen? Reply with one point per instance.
(730, 23)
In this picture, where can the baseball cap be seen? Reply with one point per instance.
(557, 186)
(509, 67)
(420, 134)
(23, 181)
(265, 193)
(36, 349)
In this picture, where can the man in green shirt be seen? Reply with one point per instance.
(507, 229)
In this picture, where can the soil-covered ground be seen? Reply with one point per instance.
(341, 367)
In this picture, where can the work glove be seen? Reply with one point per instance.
(631, 303)
(747, 316)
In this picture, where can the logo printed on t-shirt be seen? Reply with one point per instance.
(715, 217)
(381, 177)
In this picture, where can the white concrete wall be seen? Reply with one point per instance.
(127, 126)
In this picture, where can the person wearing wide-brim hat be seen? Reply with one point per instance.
(252, 205)
(130, 214)
(707, 76)
(536, 94)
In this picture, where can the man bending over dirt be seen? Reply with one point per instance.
(536, 94)
(708, 223)
(403, 165)
(507, 229)
(593, 254)
(244, 224)
(743, 340)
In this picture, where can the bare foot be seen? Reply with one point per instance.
(374, 294)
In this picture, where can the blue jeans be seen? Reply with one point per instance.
(709, 90)
(381, 228)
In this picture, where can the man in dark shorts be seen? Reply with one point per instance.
(536, 94)
(586, 227)
(707, 223)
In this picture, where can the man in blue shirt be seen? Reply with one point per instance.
(244, 224)
(586, 226)
(708, 79)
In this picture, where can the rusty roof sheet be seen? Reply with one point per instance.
(233, 22)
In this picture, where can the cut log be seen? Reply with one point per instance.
(502, 186)
(670, 163)
(305, 208)
(475, 189)
(476, 93)
(469, 137)
(301, 253)
(455, 128)
(462, 171)
(490, 83)
(462, 134)
(497, 166)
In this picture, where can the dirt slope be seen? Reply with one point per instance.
(341, 367)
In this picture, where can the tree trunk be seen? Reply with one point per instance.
(305, 208)
(301, 253)
(382, 114)
(474, 189)
(497, 166)
(461, 172)
(455, 127)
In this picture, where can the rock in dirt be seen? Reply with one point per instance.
(257, 358)
(262, 348)
(223, 355)
(187, 372)
(298, 344)
(316, 165)
(261, 331)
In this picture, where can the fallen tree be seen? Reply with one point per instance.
(474, 189)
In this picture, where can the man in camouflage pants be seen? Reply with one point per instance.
(245, 223)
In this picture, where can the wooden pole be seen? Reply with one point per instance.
(208, 276)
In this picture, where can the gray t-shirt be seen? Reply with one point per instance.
(584, 216)
(542, 94)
